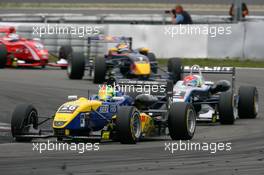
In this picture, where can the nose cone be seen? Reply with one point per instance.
(141, 69)
(68, 111)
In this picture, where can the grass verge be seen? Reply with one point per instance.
(219, 62)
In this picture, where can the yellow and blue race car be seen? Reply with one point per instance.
(120, 60)
(112, 114)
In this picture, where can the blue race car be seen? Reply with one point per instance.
(112, 115)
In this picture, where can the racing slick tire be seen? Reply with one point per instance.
(3, 56)
(128, 124)
(100, 69)
(24, 119)
(65, 52)
(175, 68)
(154, 65)
(76, 66)
(227, 108)
(248, 102)
(181, 121)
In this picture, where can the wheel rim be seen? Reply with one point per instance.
(191, 121)
(31, 119)
(69, 69)
(235, 109)
(135, 126)
(256, 105)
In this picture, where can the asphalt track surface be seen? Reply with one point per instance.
(47, 89)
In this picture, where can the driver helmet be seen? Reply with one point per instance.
(106, 92)
(192, 80)
(122, 47)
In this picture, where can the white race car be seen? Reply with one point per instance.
(216, 101)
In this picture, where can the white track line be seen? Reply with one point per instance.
(4, 124)
(5, 127)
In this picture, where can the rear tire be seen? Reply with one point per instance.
(181, 121)
(99, 70)
(3, 56)
(23, 116)
(76, 66)
(227, 108)
(128, 124)
(175, 68)
(154, 65)
(65, 52)
(248, 102)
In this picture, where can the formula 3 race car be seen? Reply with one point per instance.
(16, 51)
(112, 115)
(216, 101)
(121, 60)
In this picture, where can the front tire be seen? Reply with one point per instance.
(175, 69)
(128, 124)
(65, 52)
(76, 66)
(153, 62)
(181, 121)
(3, 56)
(24, 117)
(227, 108)
(248, 102)
(100, 69)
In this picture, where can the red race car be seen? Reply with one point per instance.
(17, 51)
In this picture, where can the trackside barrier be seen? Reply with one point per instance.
(76, 18)
(241, 40)
(106, 18)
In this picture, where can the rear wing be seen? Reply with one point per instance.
(110, 39)
(212, 70)
(97, 44)
(160, 87)
(209, 70)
